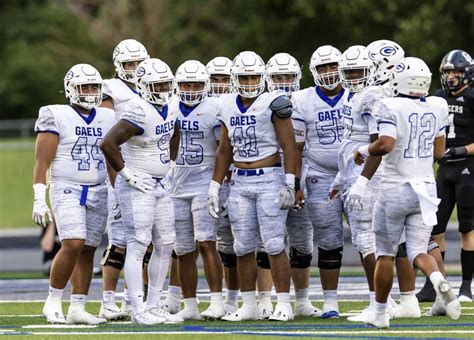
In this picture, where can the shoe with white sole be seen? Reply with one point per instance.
(79, 316)
(146, 318)
(111, 312)
(230, 308)
(449, 299)
(362, 316)
(465, 293)
(282, 312)
(171, 305)
(169, 318)
(306, 309)
(214, 312)
(53, 312)
(330, 310)
(244, 313)
(407, 309)
(189, 314)
(378, 320)
(265, 310)
(126, 307)
(437, 309)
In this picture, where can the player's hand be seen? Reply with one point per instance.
(286, 198)
(167, 180)
(299, 200)
(143, 182)
(355, 194)
(41, 213)
(361, 154)
(336, 186)
(454, 152)
(213, 199)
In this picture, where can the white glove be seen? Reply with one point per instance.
(169, 175)
(213, 199)
(337, 184)
(41, 213)
(142, 182)
(286, 195)
(355, 194)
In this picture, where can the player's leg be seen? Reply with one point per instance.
(445, 181)
(205, 231)
(146, 261)
(264, 282)
(173, 298)
(185, 247)
(243, 219)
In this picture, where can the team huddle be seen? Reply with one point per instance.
(206, 162)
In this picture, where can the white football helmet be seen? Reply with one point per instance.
(78, 75)
(410, 77)
(248, 63)
(385, 54)
(154, 81)
(322, 56)
(128, 50)
(219, 66)
(356, 60)
(283, 64)
(192, 71)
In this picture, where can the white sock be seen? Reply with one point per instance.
(108, 296)
(371, 298)
(190, 303)
(55, 294)
(231, 297)
(407, 296)
(249, 298)
(216, 298)
(78, 300)
(136, 300)
(174, 293)
(283, 297)
(435, 278)
(134, 274)
(153, 297)
(330, 295)
(157, 269)
(301, 295)
(126, 296)
(380, 307)
(264, 296)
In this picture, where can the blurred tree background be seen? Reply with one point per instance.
(42, 39)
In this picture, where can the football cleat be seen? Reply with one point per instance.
(111, 312)
(437, 309)
(189, 314)
(465, 294)
(79, 316)
(230, 308)
(330, 310)
(378, 320)
(282, 312)
(214, 312)
(362, 316)
(170, 305)
(449, 299)
(406, 309)
(244, 313)
(264, 310)
(53, 312)
(146, 318)
(306, 309)
(161, 313)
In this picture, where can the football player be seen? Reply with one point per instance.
(455, 178)
(317, 122)
(68, 140)
(254, 125)
(411, 132)
(148, 137)
(198, 124)
(117, 91)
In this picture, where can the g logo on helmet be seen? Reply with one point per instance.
(116, 52)
(140, 71)
(399, 68)
(69, 75)
(388, 51)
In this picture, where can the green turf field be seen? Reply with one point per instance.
(24, 318)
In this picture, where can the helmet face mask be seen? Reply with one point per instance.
(83, 86)
(126, 57)
(283, 72)
(192, 82)
(356, 69)
(248, 74)
(219, 71)
(324, 66)
(456, 70)
(155, 81)
(410, 77)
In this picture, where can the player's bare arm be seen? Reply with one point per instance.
(174, 143)
(223, 156)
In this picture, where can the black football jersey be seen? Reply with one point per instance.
(460, 131)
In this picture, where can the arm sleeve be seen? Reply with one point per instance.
(46, 121)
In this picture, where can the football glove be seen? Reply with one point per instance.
(41, 213)
(355, 194)
(213, 199)
(454, 152)
(143, 182)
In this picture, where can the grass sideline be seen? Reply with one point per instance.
(14, 316)
(16, 172)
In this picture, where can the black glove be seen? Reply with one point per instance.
(454, 152)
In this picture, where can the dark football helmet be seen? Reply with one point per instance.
(457, 60)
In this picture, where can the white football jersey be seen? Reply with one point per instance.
(78, 158)
(199, 132)
(149, 150)
(317, 121)
(251, 130)
(357, 120)
(119, 92)
(414, 123)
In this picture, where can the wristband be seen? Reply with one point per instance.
(364, 150)
(125, 173)
(214, 189)
(40, 191)
(290, 180)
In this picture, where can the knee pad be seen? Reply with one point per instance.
(402, 250)
(147, 257)
(330, 259)
(173, 255)
(228, 260)
(113, 258)
(432, 245)
(263, 261)
(299, 260)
